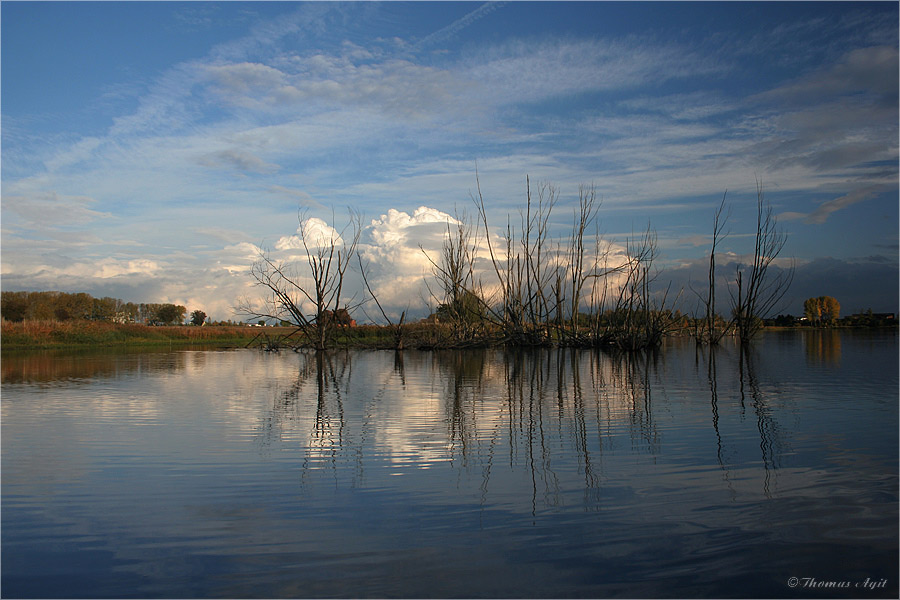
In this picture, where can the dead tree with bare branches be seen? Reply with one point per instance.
(397, 329)
(640, 318)
(710, 328)
(459, 296)
(526, 270)
(579, 265)
(308, 292)
(758, 287)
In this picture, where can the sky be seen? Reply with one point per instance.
(151, 150)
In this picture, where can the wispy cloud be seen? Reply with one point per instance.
(236, 159)
(869, 70)
(50, 210)
(825, 209)
(529, 70)
(299, 196)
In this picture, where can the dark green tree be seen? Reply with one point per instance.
(465, 308)
(198, 317)
(13, 305)
(169, 314)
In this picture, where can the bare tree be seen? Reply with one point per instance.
(397, 328)
(307, 293)
(580, 265)
(460, 297)
(712, 327)
(638, 321)
(526, 274)
(758, 289)
(541, 281)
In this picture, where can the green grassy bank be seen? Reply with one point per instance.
(44, 335)
(64, 334)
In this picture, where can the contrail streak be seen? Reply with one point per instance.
(458, 25)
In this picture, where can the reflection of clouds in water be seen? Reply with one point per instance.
(454, 409)
(646, 458)
(541, 414)
(421, 409)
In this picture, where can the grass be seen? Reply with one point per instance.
(63, 334)
(25, 335)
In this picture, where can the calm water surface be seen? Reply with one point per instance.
(550, 473)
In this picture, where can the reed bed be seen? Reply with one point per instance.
(57, 334)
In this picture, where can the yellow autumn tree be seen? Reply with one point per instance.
(823, 310)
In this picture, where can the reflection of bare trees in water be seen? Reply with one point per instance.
(538, 407)
(580, 412)
(631, 378)
(566, 402)
(771, 444)
(328, 435)
(543, 414)
(464, 389)
(712, 379)
(769, 430)
(529, 383)
(323, 375)
(314, 403)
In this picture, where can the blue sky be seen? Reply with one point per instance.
(149, 149)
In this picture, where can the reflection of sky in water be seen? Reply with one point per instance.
(492, 473)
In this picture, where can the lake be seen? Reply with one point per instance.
(477, 473)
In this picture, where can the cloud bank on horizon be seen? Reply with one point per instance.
(150, 150)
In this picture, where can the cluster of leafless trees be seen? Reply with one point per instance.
(756, 289)
(540, 290)
(525, 287)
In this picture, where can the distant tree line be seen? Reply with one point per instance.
(867, 318)
(825, 311)
(62, 306)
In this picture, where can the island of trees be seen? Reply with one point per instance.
(537, 290)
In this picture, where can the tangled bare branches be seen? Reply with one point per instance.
(308, 293)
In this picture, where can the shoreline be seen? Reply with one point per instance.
(51, 335)
(74, 335)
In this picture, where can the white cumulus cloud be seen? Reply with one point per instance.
(312, 233)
